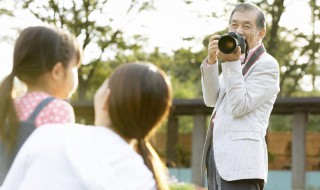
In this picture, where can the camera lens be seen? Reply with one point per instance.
(227, 44)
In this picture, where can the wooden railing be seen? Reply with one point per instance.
(300, 108)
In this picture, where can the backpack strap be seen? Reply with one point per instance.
(39, 108)
(259, 51)
(25, 129)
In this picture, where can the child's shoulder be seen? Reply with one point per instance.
(32, 99)
(55, 111)
(28, 102)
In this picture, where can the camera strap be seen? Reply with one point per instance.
(246, 52)
(254, 57)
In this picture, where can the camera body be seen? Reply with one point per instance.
(228, 43)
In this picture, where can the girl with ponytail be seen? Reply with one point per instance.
(46, 60)
(116, 153)
(147, 102)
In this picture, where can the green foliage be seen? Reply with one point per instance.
(271, 157)
(186, 123)
(98, 37)
(183, 68)
(280, 123)
(6, 12)
(297, 52)
(183, 156)
(285, 122)
(313, 123)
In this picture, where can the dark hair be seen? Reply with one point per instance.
(36, 51)
(140, 98)
(261, 22)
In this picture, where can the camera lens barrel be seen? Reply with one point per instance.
(227, 44)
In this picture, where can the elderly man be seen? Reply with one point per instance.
(235, 151)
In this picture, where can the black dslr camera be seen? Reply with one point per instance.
(228, 43)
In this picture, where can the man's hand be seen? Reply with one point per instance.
(213, 49)
(230, 57)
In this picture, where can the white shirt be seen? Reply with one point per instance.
(74, 157)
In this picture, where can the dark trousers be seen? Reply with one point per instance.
(215, 182)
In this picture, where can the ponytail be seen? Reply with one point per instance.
(153, 162)
(8, 116)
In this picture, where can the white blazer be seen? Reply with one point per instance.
(243, 106)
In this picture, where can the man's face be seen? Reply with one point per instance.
(244, 23)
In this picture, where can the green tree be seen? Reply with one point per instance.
(182, 68)
(296, 52)
(99, 37)
(5, 11)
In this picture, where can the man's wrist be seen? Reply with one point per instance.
(211, 62)
(206, 63)
(229, 60)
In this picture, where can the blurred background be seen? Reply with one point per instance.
(173, 34)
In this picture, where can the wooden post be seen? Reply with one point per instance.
(172, 140)
(299, 150)
(198, 138)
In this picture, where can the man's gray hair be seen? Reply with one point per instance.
(261, 21)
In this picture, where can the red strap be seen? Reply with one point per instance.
(255, 56)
